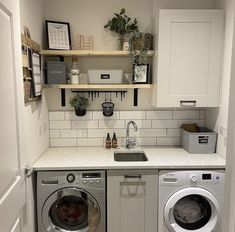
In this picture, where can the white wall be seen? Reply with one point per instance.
(36, 114)
(217, 119)
(89, 17)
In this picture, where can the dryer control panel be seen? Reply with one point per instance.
(191, 177)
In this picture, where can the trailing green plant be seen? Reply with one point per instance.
(122, 24)
(138, 49)
(79, 102)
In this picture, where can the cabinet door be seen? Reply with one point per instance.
(132, 201)
(189, 61)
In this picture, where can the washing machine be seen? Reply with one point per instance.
(191, 200)
(71, 201)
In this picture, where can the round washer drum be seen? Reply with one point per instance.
(71, 209)
(191, 209)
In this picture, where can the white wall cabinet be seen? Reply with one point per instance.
(189, 59)
(132, 200)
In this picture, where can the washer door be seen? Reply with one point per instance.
(191, 209)
(71, 209)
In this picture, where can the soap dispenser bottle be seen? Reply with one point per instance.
(114, 141)
(108, 141)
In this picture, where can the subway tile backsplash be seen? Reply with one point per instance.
(154, 127)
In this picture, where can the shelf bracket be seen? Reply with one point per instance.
(63, 100)
(135, 97)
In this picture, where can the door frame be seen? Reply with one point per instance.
(229, 209)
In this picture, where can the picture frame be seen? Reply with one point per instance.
(36, 74)
(140, 74)
(58, 35)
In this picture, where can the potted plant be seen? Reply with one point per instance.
(138, 48)
(80, 104)
(122, 25)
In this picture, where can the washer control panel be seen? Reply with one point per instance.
(73, 178)
(91, 179)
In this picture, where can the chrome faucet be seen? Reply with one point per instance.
(130, 142)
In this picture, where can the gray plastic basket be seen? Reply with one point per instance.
(202, 142)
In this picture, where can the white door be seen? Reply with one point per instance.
(189, 59)
(12, 187)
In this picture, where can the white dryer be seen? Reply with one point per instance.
(190, 200)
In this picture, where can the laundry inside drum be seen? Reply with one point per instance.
(69, 213)
(192, 212)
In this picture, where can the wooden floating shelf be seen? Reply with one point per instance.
(88, 53)
(112, 86)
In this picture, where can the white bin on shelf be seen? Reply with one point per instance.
(202, 142)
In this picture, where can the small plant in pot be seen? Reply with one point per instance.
(122, 25)
(80, 104)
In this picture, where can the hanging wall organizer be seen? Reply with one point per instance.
(31, 62)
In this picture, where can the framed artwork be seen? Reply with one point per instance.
(140, 73)
(36, 74)
(58, 35)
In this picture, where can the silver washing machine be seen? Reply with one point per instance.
(191, 200)
(71, 201)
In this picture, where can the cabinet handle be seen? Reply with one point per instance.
(188, 103)
(133, 176)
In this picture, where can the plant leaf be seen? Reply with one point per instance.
(123, 11)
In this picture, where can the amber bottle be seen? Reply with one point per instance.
(108, 141)
(114, 141)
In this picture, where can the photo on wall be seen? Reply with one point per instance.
(141, 74)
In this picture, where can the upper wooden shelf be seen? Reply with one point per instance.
(104, 86)
(88, 53)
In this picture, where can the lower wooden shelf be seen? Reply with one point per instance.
(99, 88)
(104, 86)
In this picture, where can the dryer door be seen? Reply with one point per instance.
(191, 209)
(71, 209)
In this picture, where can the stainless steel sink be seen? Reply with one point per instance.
(130, 156)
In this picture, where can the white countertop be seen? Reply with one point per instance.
(66, 158)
